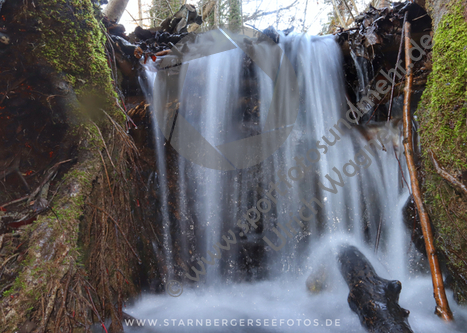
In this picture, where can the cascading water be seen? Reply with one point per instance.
(263, 276)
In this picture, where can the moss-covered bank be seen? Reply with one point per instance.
(75, 255)
(443, 130)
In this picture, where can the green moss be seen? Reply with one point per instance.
(443, 125)
(73, 43)
(443, 130)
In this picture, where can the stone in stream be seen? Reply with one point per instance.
(373, 298)
(317, 281)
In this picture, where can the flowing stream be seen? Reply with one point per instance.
(260, 283)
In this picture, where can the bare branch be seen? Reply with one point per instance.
(168, 4)
(338, 13)
(443, 173)
(259, 13)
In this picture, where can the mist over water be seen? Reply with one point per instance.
(252, 280)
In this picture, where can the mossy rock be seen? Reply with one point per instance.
(443, 130)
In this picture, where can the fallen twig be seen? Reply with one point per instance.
(170, 7)
(402, 171)
(378, 234)
(52, 171)
(442, 305)
(48, 310)
(443, 173)
(14, 168)
(418, 18)
(376, 108)
(15, 85)
(15, 201)
(37, 190)
(5, 262)
(397, 64)
(64, 297)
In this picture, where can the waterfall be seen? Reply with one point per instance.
(262, 276)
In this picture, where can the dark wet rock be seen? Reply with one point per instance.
(143, 34)
(412, 223)
(126, 47)
(373, 298)
(116, 29)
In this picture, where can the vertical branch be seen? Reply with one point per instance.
(304, 16)
(442, 305)
(350, 11)
(338, 13)
(170, 7)
(397, 64)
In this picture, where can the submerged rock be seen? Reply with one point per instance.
(317, 280)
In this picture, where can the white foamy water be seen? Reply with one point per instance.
(254, 285)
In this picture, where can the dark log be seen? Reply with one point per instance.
(373, 298)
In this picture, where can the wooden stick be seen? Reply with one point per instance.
(95, 309)
(402, 171)
(133, 17)
(442, 305)
(443, 173)
(397, 64)
(350, 11)
(378, 234)
(170, 8)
